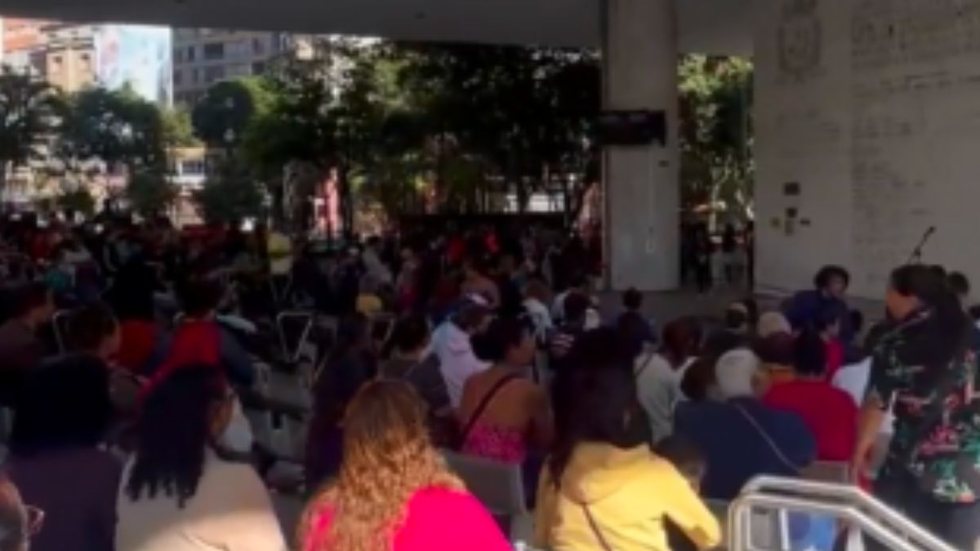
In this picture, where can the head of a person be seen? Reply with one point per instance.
(959, 284)
(474, 268)
(15, 521)
(506, 341)
(387, 457)
(699, 379)
(771, 323)
(681, 340)
(181, 419)
(632, 300)
(64, 404)
(828, 319)
(94, 329)
(738, 374)
(598, 405)
(473, 314)
(720, 342)
(810, 355)
(353, 334)
(33, 304)
(832, 280)
(776, 350)
(411, 334)
(737, 318)
(538, 290)
(200, 297)
(576, 307)
(912, 287)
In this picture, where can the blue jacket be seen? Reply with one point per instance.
(802, 310)
(735, 450)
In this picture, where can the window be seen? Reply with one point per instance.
(190, 53)
(212, 74)
(215, 50)
(257, 47)
(258, 67)
(196, 75)
(178, 55)
(178, 77)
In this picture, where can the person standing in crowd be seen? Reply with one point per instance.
(739, 435)
(452, 343)
(476, 282)
(925, 367)
(633, 316)
(828, 412)
(805, 307)
(352, 362)
(658, 375)
(393, 492)
(412, 361)
(703, 251)
(18, 522)
(502, 413)
(536, 295)
(177, 494)
(576, 308)
(56, 461)
(602, 487)
(20, 347)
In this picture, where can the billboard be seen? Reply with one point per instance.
(135, 56)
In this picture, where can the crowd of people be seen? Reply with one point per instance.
(126, 407)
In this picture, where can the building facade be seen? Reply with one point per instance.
(202, 57)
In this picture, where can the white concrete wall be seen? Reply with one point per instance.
(873, 108)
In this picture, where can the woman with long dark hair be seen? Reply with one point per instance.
(177, 493)
(602, 487)
(393, 491)
(924, 368)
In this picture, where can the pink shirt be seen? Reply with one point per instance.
(438, 519)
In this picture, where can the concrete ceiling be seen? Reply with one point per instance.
(706, 26)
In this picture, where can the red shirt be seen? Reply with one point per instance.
(829, 413)
(835, 357)
(436, 519)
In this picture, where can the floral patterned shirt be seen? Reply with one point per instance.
(937, 414)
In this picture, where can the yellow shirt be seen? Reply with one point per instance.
(629, 493)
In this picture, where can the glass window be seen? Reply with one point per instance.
(215, 50)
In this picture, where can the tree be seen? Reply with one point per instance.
(229, 195)
(221, 117)
(150, 194)
(177, 128)
(28, 118)
(716, 133)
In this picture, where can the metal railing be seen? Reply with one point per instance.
(846, 503)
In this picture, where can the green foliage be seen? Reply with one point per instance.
(28, 117)
(222, 116)
(150, 194)
(177, 128)
(116, 127)
(716, 134)
(78, 200)
(230, 195)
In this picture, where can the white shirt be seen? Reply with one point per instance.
(456, 359)
(658, 388)
(231, 511)
(853, 379)
(540, 317)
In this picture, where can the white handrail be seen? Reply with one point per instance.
(836, 500)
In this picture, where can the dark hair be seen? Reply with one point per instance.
(174, 433)
(199, 296)
(30, 296)
(503, 334)
(682, 338)
(63, 404)
(720, 342)
(576, 304)
(698, 378)
(352, 331)
(90, 325)
(470, 316)
(823, 277)
(932, 291)
(410, 332)
(810, 354)
(777, 348)
(828, 315)
(958, 283)
(857, 321)
(595, 406)
(632, 299)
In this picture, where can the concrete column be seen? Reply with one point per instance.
(641, 183)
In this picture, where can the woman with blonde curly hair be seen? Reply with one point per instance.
(394, 492)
